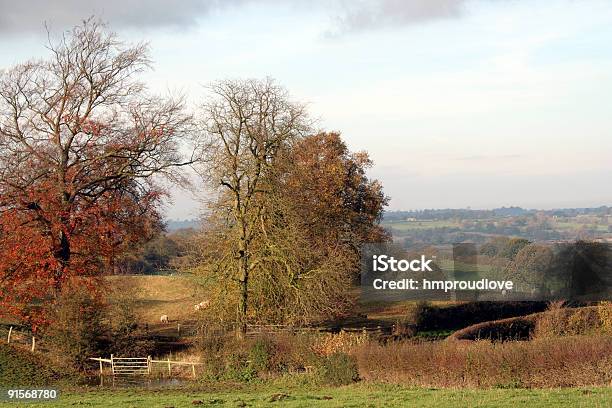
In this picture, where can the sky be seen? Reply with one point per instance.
(460, 103)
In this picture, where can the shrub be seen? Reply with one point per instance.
(238, 368)
(226, 357)
(295, 352)
(567, 322)
(569, 361)
(261, 355)
(605, 316)
(338, 369)
(219, 351)
(343, 341)
(421, 314)
(514, 328)
(555, 322)
(76, 330)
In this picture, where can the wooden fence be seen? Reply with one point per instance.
(15, 334)
(256, 329)
(132, 366)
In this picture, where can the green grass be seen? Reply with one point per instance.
(358, 395)
(18, 366)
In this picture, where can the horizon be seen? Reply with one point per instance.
(179, 220)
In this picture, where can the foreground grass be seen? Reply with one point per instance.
(350, 396)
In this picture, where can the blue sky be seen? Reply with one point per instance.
(479, 103)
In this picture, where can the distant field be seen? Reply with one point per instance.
(421, 225)
(156, 295)
(575, 226)
(557, 225)
(350, 396)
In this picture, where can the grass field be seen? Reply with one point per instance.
(156, 295)
(421, 225)
(350, 396)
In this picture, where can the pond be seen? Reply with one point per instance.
(133, 381)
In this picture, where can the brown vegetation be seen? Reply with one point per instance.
(550, 362)
(554, 322)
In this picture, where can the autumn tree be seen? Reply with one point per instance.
(283, 234)
(81, 140)
(330, 192)
(321, 210)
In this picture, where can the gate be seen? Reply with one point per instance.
(130, 365)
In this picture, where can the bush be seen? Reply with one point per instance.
(342, 342)
(552, 323)
(404, 328)
(514, 328)
(76, 330)
(570, 361)
(227, 358)
(569, 322)
(238, 368)
(339, 369)
(217, 348)
(295, 352)
(605, 316)
(261, 355)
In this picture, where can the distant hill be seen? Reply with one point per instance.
(467, 214)
(454, 213)
(173, 225)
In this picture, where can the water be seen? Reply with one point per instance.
(133, 381)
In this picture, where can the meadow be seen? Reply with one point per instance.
(371, 395)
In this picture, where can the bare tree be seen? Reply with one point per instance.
(247, 123)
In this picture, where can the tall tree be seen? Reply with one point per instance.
(247, 123)
(80, 142)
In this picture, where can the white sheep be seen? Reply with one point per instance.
(202, 305)
(163, 319)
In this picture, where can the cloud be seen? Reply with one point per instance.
(364, 15)
(348, 16)
(17, 17)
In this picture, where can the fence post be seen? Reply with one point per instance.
(178, 328)
(169, 367)
(149, 365)
(101, 371)
(112, 366)
(8, 339)
(193, 370)
(33, 343)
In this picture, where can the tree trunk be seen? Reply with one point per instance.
(243, 288)
(62, 255)
(62, 251)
